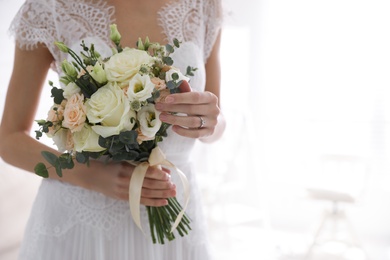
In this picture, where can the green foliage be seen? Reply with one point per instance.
(43, 128)
(41, 170)
(57, 95)
(190, 71)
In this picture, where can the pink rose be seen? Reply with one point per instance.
(56, 115)
(158, 83)
(75, 113)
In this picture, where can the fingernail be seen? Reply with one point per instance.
(158, 106)
(168, 99)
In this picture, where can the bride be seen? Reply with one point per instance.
(84, 214)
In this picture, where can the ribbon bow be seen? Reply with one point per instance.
(156, 157)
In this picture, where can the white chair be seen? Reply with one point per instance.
(343, 180)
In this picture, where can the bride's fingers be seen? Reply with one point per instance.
(157, 194)
(193, 133)
(191, 98)
(158, 174)
(189, 109)
(186, 121)
(154, 202)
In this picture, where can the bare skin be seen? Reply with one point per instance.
(29, 75)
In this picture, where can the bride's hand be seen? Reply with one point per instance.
(200, 108)
(113, 180)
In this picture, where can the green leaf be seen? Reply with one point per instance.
(176, 42)
(128, 137)
(57, 94)
(169, 48)
(119, 157)
(40, 122)
(66, 161)
(132, 155)
(58, 169)
(171, 84)
(82, 158)
(104, 142)
(51, 158)
(168, 61)
(38, 134)
(175, 76)
(41, 170)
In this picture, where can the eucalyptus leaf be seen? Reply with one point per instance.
(132, 155)
(50, 157)
(58, 169)
(81, 157)
(104, 142)
(66, 161)
(168, 61)
(176, 43)
(41, 170)
(169, 48)
(57, 94)
(128, 137)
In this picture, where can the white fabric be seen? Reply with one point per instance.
(68, 222)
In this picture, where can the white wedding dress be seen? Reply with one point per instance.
(69, 222)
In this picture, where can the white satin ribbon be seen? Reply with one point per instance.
(156, 158)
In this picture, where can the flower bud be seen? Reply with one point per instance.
(147, 43)
(69, 69)
(98, 73)
(115, 36)
(140, 45)
(62, 47)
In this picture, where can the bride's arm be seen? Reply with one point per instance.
(18, 148)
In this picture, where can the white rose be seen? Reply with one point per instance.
(168, 75)
(149, 120)
(109, 107)
(140, 88)
(121, 67)
(86, 140)
(70, 90)
(60, 139)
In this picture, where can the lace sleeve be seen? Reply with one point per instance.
(31, 25)
(213, 22)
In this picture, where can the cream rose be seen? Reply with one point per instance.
(70, 90)
(121, 67)
(60, 139)
(140, 88)
(87, 140)
(74, 113)
(149, 120)
(110, 107)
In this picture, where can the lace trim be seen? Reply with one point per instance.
(45, 21)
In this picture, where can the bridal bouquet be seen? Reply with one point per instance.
(107, 108)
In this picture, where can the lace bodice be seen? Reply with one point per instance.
(47, 21)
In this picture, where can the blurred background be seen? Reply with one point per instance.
(303, 169)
